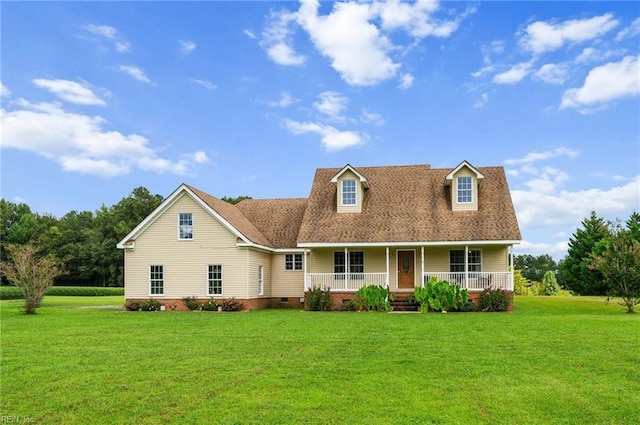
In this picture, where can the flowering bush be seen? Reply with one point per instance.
(231, 304)
(494, 299)
(209, 305)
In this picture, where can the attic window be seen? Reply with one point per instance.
(465, 190)
(185, 226)
(348, 192)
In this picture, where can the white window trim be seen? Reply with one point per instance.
(469, 190)
(163, 280)
(293, 262)
(192, 227)
(467, 262)
(260, 280)
(209, 294)
(347, 262)
(355, 193)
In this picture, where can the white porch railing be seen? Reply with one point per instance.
(474, 281)
(344, 281)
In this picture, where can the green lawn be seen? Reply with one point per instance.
(552, 360)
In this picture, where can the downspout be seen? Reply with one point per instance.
(304, 266)
(511, 266)
(248, 272)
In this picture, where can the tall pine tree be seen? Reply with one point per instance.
(575, 269)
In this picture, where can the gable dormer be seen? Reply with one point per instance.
(350, 186)
(463, 182)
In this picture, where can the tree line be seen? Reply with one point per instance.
(85, 241)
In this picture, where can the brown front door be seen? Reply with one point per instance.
(406, 274)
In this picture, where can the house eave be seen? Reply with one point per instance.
(407, 244)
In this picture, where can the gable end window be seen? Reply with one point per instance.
(185, 226)
(465, 190)
(156, 280)
(214, 279)
(293, 262)
(348, 192)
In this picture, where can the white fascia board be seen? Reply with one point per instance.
(348, 167)
(288, 250)
(254, 245)
(171, 199)
(402, 244)
(465, 163)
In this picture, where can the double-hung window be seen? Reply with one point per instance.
(260, 280)
(293, 262)
(214, 279)
(456, 260)
(356, 264)
(465, 190)
(185, 226)
(156, 280)
(348, 192)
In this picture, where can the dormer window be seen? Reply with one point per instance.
(465, 190)
(349, 192)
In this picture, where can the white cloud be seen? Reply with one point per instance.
(514, 75)
(415, 18)
(356, 48)
(187, 46)
(277, 39)
(591, 54)
(70, 91)
(406, 81)
(631, 31)
(4, 91)
(551, 73)
(481, 101)
(371, 118)
(605, 83)
(532, 157)
(332, 104)
(205, 83)
(285, 100)
(540, 37)
(106, 31)
(135, 72)
(557, 250)
(80, 143)
(111, 34)
(250, 34)
(332, 138)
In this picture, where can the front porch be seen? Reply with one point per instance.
(351, 282)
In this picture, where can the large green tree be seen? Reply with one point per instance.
(576, 271)
(534, 268)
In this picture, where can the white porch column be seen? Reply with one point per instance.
(466, 266)
(346, 268)
(304, 266)
(387, 256)
(422, 260)
(511, 286)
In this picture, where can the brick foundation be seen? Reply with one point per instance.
(172, 304)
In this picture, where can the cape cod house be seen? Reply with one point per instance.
(392, 225)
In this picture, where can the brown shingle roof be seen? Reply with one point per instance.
(234, 216)
(278, 220)
(409, 204)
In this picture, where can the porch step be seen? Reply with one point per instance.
(401, 303)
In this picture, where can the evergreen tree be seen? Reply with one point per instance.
(575, 269)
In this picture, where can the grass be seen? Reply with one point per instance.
(552, 360)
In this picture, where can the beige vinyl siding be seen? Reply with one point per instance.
(464, 172)
(494, 258)
(257, 258)
(348, 175)
(286, 283)
(185, 261)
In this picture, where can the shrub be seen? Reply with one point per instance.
(191, 303)
(132, 305)
(231, 304)
(494, 299)
(348, 305)
(10, 293)
(318, 299)
(209, 305)
(440, 295)
(549, 284)
(85, 291)
(150, 305)
(373, 298)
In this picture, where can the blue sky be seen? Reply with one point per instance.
(249, 98)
